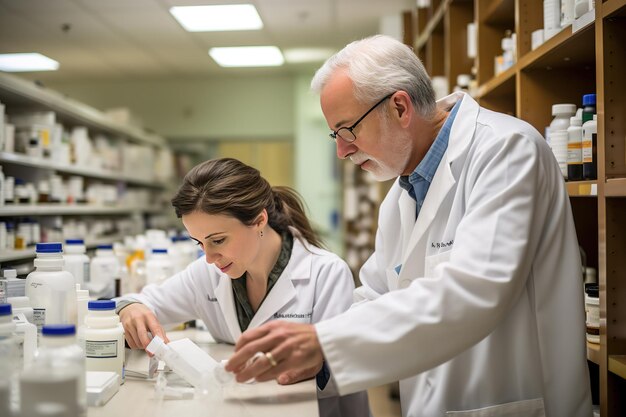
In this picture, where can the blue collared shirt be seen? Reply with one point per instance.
(418, 182)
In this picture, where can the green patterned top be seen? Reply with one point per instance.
(245, 313)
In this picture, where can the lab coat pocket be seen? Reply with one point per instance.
(525, 408)
(431, 262)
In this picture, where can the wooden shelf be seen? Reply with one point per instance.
(582, 188)
(563, 50)
(612, 8)
(615, 187)
(500, 13)
(617, 365)
(500, 85)
(593, 352)
(433, 24)
(63, 209)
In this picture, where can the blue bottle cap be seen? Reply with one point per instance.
(109, 247)
(101, 305)
(58, 330)
(74, 242)
(54, 247)
(159, 250)
(589, 99)
(5, 309)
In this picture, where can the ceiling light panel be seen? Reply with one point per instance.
(217, 18)
(247, 56)
(27, 62)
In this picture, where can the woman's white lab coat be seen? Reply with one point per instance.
(315, 285)
(487, 307)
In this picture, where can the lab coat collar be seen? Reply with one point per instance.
(461, 136)
(283, 291)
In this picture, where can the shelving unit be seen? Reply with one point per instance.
(17, 95)
(587, 57)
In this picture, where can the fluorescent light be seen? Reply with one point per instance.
(247, 56)
(301, 55)
(217, 18)
(27, 62)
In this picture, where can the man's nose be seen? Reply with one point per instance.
(345, 149)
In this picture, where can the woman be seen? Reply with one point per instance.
(263, 261)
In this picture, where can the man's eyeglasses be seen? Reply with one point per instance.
(346, 133)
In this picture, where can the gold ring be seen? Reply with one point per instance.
(270, 358)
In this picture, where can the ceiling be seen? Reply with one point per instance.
(138, 39)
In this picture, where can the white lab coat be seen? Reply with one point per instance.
(487, 309)
(315, 285)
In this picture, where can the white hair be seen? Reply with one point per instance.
(378, 66)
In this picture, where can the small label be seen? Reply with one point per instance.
(587, 151)
(101, 348)
(39, 318)
(86, 272)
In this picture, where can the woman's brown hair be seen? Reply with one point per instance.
(230, 187)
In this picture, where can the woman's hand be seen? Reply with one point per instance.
(138, 320)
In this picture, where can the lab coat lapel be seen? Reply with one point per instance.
(224, 295)
(284, 291)
(461, 136)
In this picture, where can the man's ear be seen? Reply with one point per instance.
(402, 107)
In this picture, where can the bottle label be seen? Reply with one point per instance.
(101, 349)
(39, 318)
(587, 151)
(86, 272)
(574, 153)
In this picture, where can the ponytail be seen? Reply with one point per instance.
(289, 211)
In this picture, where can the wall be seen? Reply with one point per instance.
(216, 108)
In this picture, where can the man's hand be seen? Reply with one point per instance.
(293, 347)
(138, 320)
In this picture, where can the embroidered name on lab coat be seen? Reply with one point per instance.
(293, 315)
(439, 245)
(211, 299)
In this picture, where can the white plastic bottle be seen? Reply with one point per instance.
(50, 289)
(26, 335)
(159, 266)
(82, 301)
(57, 374)
(21, 305)
(176, 362)
(104, 338)
(8, 359)
(103, 270)
(76, 260)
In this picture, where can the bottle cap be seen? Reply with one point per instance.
(589, 99)
(563, 109)
(575, 121)
(5, 309)
(55, 247)
(105, 247)
(74, 242)
(58, 329)
(159, 250)
(101, 305)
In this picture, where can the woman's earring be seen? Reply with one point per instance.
(261, 233)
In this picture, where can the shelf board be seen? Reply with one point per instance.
(617, 365)
(501, 85)
(500, 13)
(593, 352)
(615, 187)
(16, 255)
(29, 161)
(612, 8)
(23, 93)
(563, 50)
(582, 188)
(19, 210)
(434, 23)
